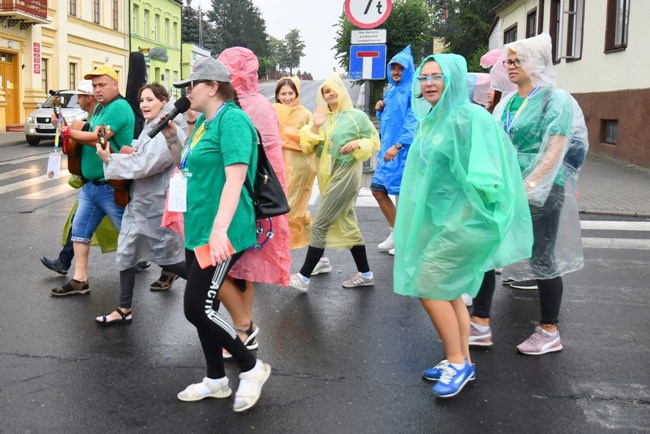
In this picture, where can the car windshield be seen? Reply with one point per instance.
(68, 100)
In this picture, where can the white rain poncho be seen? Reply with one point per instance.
(550, 136)
(463, 207)
(397, 124)
(339, 175)
(150, 166)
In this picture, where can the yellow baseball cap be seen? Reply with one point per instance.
(102, 70)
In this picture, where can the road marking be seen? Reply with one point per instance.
(25, 159)
(48, 192)
(29, 182)
(615, 243)
(614, 226)
(17, 172)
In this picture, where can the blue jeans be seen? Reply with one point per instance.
(95, 201)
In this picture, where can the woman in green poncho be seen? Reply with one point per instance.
(462, 203)
(342, 138)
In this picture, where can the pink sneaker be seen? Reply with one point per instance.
(540, 343)
(478, 338)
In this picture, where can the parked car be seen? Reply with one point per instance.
(38, 125)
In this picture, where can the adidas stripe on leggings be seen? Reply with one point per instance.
(201, 309)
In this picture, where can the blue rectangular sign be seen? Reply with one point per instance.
(368, 62)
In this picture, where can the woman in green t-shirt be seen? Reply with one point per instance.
(218, 157)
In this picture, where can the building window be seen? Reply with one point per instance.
(540, 16)
(73, 8)
(555, 28)
(96, 11)
(510, 34)
(134, 19)
(174, 32)
(166, 35)
(116, 14)
(145, 24)
(156, 24)
(575, 21)
(618, 17)
(609, 131)
(531, 23)
(73, 75)
(44, 71)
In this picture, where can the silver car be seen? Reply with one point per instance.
(39, 122)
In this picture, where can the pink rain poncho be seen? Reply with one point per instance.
(339, 175)
(549, 134)
(300, 168)
(272, 263)
(462, 209)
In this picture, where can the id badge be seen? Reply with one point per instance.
(177, 193)
(54, 165)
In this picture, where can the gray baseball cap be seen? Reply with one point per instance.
(208, 69)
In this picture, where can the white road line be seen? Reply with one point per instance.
(29, 182)
(17, 172)
(25, 159)
(615, 226)
(616, 243)
(48, 192)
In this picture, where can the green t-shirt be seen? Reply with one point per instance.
(119, 116)
(228, 139)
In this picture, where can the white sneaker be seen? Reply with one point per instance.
(387, 244)
(205, 389)
(467, 299)
(358, 280)
(250, 386)
(323, 267)
(391, 252)
(297, 282)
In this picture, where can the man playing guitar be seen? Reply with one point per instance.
(97, 197)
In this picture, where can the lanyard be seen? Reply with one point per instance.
(510, 118)
(187, 149)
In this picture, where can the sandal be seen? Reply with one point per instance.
(164, 282)
(73, 287)
(250, 342)
(126, 318)
(193, 392)
(250, 386)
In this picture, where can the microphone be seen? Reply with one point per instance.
(180, 106)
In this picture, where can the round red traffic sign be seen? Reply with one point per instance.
(368, 14)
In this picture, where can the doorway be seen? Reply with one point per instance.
(9, 78)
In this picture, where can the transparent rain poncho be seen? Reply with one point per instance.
(463, 207)
(550, 137)
(299, 168)
(339, 175)
(397, 124)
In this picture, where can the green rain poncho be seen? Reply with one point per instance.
(339, 175)
(462, 208)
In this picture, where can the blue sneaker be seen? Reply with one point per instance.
(434, 374)
(451, 381)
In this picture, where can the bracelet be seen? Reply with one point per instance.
(191, 122)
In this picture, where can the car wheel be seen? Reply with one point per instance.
(33, 141)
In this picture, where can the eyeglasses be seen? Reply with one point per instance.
(436, 78)
(507, 63)
(194, 83)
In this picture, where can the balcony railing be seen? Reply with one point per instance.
(23, 12)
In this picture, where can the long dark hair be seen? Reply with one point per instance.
(227, 92)
(285, 82)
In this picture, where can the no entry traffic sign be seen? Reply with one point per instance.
(368, 14)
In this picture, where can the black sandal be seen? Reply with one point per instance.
(126, 318)
(73, 287)
(164, 282)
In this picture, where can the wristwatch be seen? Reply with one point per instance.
(398, 146)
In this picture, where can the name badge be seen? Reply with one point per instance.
(54, 165)
(177, 193)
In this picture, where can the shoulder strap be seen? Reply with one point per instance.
(247, 183)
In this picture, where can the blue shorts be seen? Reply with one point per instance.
(95, 201)
(378, 187)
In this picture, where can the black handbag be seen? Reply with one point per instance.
(268, 196)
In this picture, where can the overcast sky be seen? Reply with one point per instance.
(314, 19)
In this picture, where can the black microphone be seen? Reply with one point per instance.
(180, 106)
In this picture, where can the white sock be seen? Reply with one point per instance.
(304, 279)
(216, 381)
(457, 366)
(480, 328)
(205, 390)
(551, 334)
(367, 275)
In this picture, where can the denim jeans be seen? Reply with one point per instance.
(67, 252)
(95, 201)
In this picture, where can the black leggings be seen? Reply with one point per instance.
(201, 305)
(314, 254)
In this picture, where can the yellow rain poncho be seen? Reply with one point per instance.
(299, 168)
(462, 208)
(339, 175)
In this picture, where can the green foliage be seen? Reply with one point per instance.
(190, 27)
(294, 47)
(237, 23)
(474, 59)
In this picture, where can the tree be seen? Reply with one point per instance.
(294, 49)
(410, 22)
(190, 27)
(238, 23)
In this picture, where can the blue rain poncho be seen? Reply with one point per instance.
(550, 137)
(397, 124)
(463, 209)
(339, 175)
